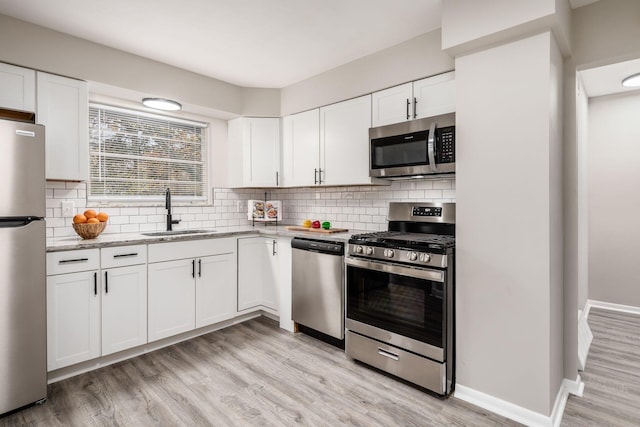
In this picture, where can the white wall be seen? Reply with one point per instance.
(508, 256)
(614, 199)
(414, 59)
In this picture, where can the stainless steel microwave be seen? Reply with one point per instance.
(414, 148)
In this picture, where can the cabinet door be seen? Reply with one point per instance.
(344, 142)
(251, 261)
(62, 107)
(435, 95)
(124, 308)
(301, 148)
(393, 105)
(261, 141)
(270, 276)
(216, 288)
(171, 298)
(17, 88)
(73, 318)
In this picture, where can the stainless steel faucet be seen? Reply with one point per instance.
(167, 205)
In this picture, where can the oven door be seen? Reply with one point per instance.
(401, 306)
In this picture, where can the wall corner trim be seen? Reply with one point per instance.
(518, 413)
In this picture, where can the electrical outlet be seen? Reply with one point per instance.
(67, 208)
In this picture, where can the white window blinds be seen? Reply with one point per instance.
(136, 156)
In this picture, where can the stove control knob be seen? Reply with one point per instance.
(358, 249)
(425, 257)
(369, 250)
(389, 253)
(412, 256)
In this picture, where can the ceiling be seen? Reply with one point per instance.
(607, 80)
(253, 43)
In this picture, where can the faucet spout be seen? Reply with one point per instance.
(167, 205)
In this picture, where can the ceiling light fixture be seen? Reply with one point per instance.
(632, 81)
(161, 104)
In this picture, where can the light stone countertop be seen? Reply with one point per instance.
(68, 243)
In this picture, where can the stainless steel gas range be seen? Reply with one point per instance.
(400, 296)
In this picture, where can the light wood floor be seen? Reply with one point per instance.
(612, 374)
(249, 374)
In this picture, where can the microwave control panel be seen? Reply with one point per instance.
(445, 152)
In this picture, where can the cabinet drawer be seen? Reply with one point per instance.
(122, 256)
(160, 252)
(73, 261)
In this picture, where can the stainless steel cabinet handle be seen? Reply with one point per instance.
(319, 176)
(199, 268)
(95, 283)
(68, 261)
(193, 268)
(125, 255)
(415, 107)
(315, 176)
(273, 248)
(408, 104)
(106, 282)
(385, 353)
(277, 179)
(431, 147)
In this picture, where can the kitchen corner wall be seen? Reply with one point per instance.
(355, 208)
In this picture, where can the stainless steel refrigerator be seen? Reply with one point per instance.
(23, 328)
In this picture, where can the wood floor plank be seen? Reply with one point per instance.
(251, 374)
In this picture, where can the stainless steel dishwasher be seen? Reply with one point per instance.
(317, 294)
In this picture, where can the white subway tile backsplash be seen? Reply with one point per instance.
(356, 207)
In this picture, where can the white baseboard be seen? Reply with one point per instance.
(519, 413)
(611, 306)
(585, 337)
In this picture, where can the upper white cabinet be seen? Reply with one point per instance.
(423, 98)
(300, 146)
(62, 107)
(344, 142)
(254, 152)
(17, 88)
(329, 145)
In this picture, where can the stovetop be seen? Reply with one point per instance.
(400, 239)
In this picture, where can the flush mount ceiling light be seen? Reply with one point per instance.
(161, 104)
(632, 81)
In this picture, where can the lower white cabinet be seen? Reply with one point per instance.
(184, 294)
(258, 273)
(216, 287)
(124, 308)
(73, 318)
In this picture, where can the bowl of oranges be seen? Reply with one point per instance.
(90, 224)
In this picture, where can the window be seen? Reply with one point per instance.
(136, 156)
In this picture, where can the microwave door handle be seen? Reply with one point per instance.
(431, 147)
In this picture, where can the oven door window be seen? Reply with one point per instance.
(401, 304)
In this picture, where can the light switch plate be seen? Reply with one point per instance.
(67, 208)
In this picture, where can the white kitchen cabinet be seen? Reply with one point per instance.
(73, 307)
(216, 288)
(62, 107)
(300, 147)
(190, 284)
(344, 142)
(328, 146)
(171, 298)
(17, 88)
(258, 272)
(427, 97)
(254, 152)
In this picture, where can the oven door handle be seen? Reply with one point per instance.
(431, 147)
(420, 273)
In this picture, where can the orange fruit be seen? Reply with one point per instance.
(79, 219)
(93, 221)
(90, 213)
(102, 217)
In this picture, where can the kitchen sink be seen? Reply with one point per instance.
(176, 232)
